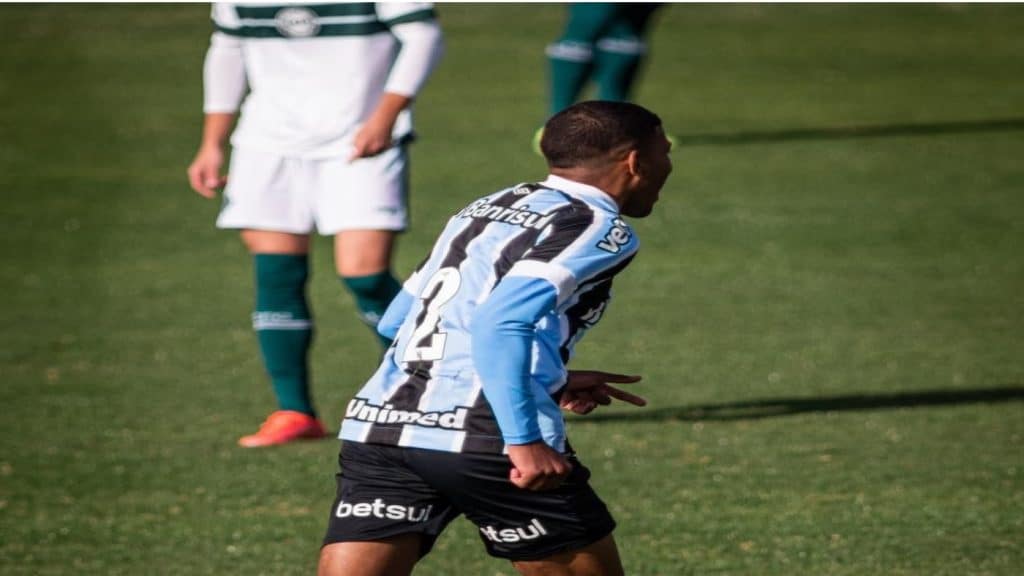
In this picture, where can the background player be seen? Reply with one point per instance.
(463, 415)
(603, 41)
(320, 143)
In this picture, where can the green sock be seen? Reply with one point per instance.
(571, 58)
(570, 64)
(373, 293)
(284, 327)
(616, 62)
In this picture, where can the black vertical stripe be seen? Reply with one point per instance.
(607, 273)
(457, 251)
(384, 434)
(517, 248)
(566, 229)
(512, 252)
(588, 301)
(482, 432)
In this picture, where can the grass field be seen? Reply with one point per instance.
(828, 308)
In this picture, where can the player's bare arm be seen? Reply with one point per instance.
(204, 174)
(585, 390)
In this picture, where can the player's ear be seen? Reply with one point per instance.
(633, 163)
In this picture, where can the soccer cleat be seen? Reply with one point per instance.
(284, 426)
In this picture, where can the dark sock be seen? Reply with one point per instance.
(571, 58)
(616, 62)
(373, 293)
(284, 327)
(570, 64)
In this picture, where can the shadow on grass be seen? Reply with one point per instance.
(775, 407)
(850, 132)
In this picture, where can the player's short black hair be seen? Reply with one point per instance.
(591, 131)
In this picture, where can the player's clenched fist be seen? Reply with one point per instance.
(537, 466)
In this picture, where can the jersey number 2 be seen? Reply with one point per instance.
(427, 343)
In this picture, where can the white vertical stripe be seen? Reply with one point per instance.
(406, 438)
(559, 276)
(365, 431)
(458, 438)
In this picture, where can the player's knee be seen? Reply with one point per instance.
(266, 242)
(363, 252)
(598, 559)
(388, 557)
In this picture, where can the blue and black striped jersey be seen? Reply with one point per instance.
(564, 236)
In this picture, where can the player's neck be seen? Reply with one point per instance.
(611, 182)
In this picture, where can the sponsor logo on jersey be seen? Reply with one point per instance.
(483, 210)
(359, 409)
(382, 510)
(616, 238)
(296, 22)
(531, 531)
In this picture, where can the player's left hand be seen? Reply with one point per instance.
(373, 138)
(585, 390)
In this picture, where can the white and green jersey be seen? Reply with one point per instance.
(315, 72)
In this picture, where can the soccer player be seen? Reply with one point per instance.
(603, 41)
(321, 143)
(463, 414)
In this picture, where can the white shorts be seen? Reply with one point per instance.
(296, 195)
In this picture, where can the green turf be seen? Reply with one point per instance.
(828, 308)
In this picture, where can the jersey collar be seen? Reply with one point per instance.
(574, 188)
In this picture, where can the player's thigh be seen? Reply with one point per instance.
(380, 500)
(365, 194)
(517, 524)
(363, 252)
(588, 21)
(598, 559)
(394, 556)
(266, 192)
(634, 18)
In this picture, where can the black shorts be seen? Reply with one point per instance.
(386, 491)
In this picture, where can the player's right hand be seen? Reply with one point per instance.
(372, 138)
(585, 390)
(204, 173)
(536, 466)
